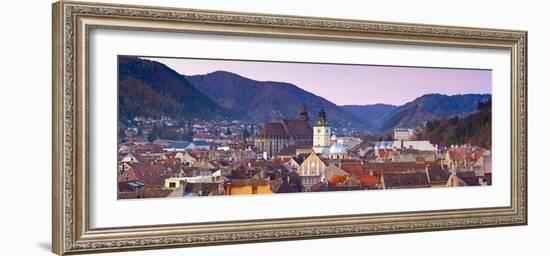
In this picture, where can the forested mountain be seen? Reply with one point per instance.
(151, 89)
(474, 128)
(427, 107)
(382, 117)
(265, 101)
(370, 114)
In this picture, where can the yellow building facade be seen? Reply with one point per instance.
(252, 188)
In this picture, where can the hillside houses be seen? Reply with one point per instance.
(228, 164)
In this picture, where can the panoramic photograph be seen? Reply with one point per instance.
(210, 127)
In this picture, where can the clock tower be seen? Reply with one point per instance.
(321, 133)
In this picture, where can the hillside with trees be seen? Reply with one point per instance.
(268, 101)
(474, 128)
(151, 89)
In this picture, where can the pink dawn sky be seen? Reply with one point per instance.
(348, 84)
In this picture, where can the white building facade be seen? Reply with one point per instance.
(400, 134)
(321, 134)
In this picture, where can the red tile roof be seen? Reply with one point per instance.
(388, 167)
(355, 168)
(459, 153)
(476, 155)
(145, 193)
(335, 180)
(127, 175)
(297, 127)
(367, 180)
(272, 129)
(152, 174)
(287, 127)
(383, 153)
(172, 160)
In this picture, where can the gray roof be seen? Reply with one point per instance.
(179, 144)
(200, 143)
(406, 180)
(469, 178)
(438, 174)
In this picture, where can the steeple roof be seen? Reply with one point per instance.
(289, 127)
(303, 113)
(322, 120)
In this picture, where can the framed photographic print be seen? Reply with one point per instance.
(179, 127)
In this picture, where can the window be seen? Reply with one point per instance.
(172, 185)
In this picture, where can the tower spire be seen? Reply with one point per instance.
(322, 120)
(303, 113)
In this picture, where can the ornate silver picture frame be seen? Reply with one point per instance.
(74, 21)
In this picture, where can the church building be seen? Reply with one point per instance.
(273, 137)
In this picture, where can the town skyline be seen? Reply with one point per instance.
(354, 81)
(223, 135)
